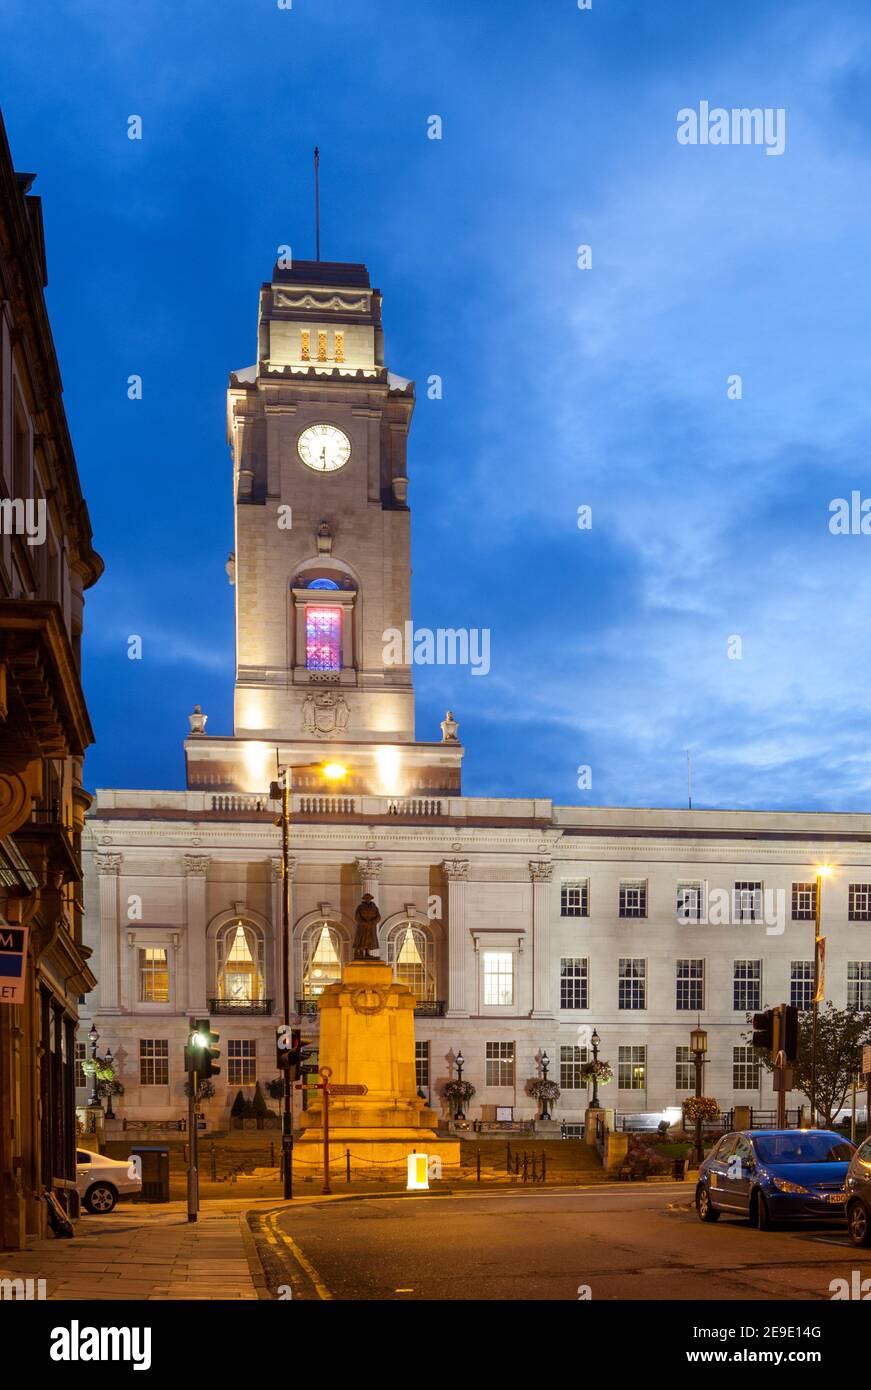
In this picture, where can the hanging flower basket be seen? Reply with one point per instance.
(701, 1108)
(100, 1068)
(458, 1092)
(543, 1090)
(596, 1071)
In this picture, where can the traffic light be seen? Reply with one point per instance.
(288, 1048)
(789, 1032)
(201, 1054)
(763, 1030)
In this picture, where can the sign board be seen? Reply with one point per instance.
(349, 1090)
(504, 1113)
(866, 1060)
(13, 963)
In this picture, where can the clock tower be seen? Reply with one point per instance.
(318, 432)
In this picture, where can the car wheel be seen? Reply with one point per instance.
(101, 1198)
(759, 1214)
(704, 1206)
(859, 1223)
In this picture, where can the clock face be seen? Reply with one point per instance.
(325, 448)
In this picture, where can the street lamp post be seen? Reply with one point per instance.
(110, 1113)
(823, 871)
(93, 1039)
(545, 1063)
(594, 1043)
(698, 1047)
(281, 791)
(461, 1061)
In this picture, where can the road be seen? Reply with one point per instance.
(636, 1243)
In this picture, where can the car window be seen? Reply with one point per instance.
(725, 1147)
(744, 1151)
(82, 1156)
(864, 1151)
(803, 1146)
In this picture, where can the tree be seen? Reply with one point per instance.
(237, 1109)
(259, 1108)
(840, 1035)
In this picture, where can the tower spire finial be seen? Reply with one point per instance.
(317, 205)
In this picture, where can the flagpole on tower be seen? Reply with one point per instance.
(317, 205)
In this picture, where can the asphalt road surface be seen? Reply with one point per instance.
(642, 1242)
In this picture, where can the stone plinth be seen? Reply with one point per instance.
(367, 1038)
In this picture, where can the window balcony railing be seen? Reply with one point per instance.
(240, 1006)
(429, 1008)
(308, 1008)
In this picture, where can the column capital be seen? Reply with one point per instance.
(456, 868)
(369, 868)
(196, 865)
(541, 870)
(108, 863)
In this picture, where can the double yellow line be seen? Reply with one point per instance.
(278, 1238)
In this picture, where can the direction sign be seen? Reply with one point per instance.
(343, 1090)
(13, 963)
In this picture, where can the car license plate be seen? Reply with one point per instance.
(837, 1197)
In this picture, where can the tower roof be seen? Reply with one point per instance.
(322, 273)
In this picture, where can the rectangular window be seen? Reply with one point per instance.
(632, 983)
(747, 986)
(499, 1066)
(859, 908)
(241, 1061)
(421, 1065)
(690, 979)
(745, 1069)
(747, 901)
(571, 1059)
(305, 349)
(684, 1069)
(859, 984)
(154, 1061)
(153, 975)
(574, 971)
(690, 902)
(323, 639)
(632, 1068)
(81, 1054)
(340, 345)
(574, 900)
(804, 902)
(322, 346)
(498, 979)
(801, 983)
(633, 899)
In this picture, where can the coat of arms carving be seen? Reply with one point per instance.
(325, 713)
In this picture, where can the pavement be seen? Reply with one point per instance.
(146, 1252)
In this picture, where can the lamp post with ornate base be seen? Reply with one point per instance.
(698, 1047)
(460, 1060)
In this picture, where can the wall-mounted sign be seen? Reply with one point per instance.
(13, 963)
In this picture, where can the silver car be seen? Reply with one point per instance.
(100, 1181)
(859, 1195)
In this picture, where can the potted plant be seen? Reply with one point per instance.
(457, 1094)
(547, 1093)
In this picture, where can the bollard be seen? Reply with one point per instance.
(543, 1166)
(525, 1166)
(534, 1163)
(478, 1165)
(213, 1164)
(347, 1165)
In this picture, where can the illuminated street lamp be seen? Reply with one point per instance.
(545, 1063)
(461, 1062)
(93, 1039)
(280, 790)
(594, 1043)
(823, 871)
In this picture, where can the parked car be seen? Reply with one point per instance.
(859, 1195)
(775, 1175)
(100, 1181)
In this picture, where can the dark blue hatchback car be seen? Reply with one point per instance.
(775, 1175)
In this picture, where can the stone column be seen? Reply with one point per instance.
(541, 873)
(108, 871)
(196, 868)
(457, 874)
(370, 876)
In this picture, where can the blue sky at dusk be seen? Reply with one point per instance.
(562, 387)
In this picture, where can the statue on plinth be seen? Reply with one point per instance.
(367, 918)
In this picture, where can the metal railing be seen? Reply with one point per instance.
(240, 1006)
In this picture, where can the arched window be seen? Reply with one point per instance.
(410, 952)
(323, 951)
(240, 964)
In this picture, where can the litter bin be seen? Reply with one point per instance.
(155, 1171)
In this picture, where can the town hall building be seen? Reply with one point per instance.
(521, 926)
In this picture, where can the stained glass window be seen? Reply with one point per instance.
(323, 639)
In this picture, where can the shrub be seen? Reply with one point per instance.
(259, 1108)
(237, 1110)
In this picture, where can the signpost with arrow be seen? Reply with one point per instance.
(340, 1089)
